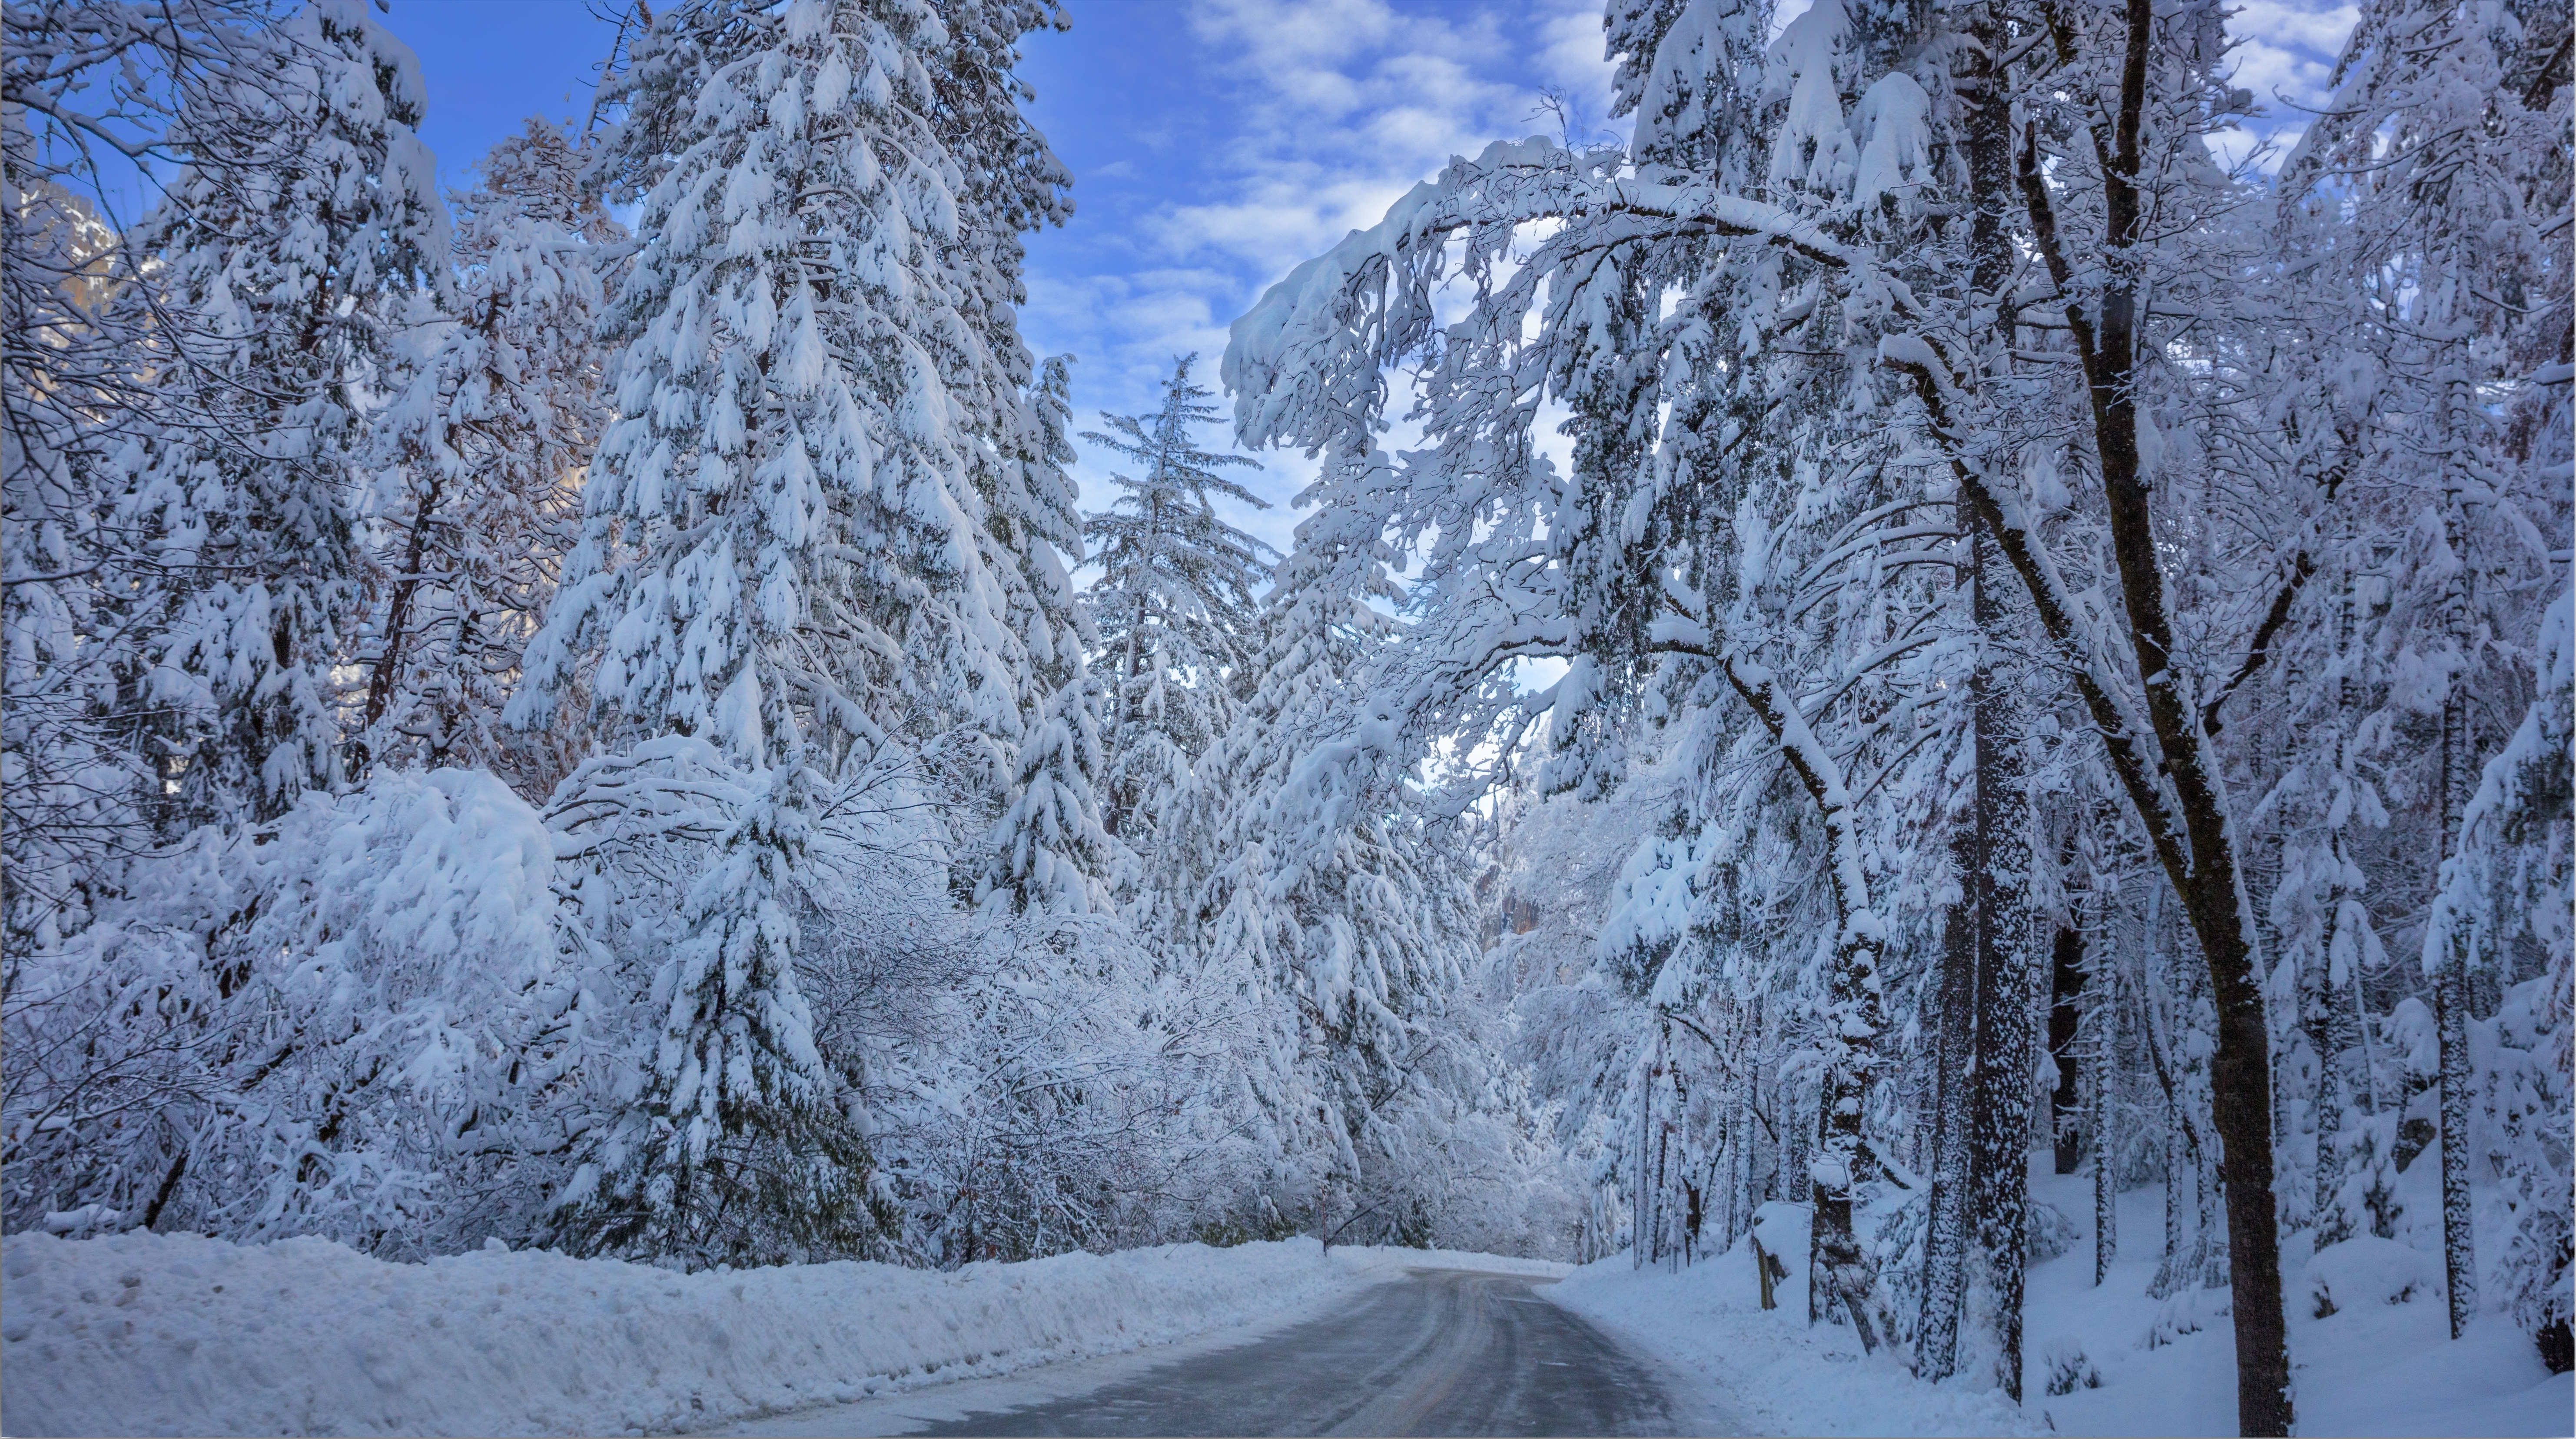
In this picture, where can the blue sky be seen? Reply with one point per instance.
(1213, 144)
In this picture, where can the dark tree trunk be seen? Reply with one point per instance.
(397, 637)
(2106, 1179)
(1838, 1268)
(2451, 1020)
(2163, 760)
(2175, 786)
(1981, 1089)
(2334, 1024)
(2065, 1015)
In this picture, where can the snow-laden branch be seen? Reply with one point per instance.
(1331, 322)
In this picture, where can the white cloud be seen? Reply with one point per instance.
(1570, 50)
(2285, 52)
(1322, 113)
(1346, 103)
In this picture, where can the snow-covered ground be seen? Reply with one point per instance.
(1783, 1376)
(149, 1334)
(164, 1334)
(2377, 1365)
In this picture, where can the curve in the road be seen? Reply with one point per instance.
(1441, 1352)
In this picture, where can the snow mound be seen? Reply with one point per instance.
(2052, 1233)
(2367, 1269)
(144, 1333)
(2369, 1368)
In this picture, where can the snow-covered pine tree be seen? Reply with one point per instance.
(1691, 72)
(779, 557)
(87, 350)
(482, 455)
(1174, 603)
(1042, 531)
(1049, 849)
(303, 223)
(2508, 885)
(1015, 413)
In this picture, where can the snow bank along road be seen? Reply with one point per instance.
(180, 1334)
(1435, 1352)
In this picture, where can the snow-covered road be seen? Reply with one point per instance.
(1436, 1352)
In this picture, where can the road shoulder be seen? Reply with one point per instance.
(909, 1410)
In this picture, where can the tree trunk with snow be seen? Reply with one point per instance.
(1946, 1219)
(2179, 793)
(1851, 1020)
(2007, 975)
(2106, 1180)
(2451, 1025)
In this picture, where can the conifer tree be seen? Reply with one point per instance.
(1175, 600)
(1049, 850)
(294, 239)
(2443, 131)
(779, 558)
(1316, 868)
(1039, 530)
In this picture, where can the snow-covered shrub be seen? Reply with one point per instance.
(2068, 1368)
(2051, 1232)
(2367, 1269)
(1061, 1095)
(350, 1020)
(2184, 1312)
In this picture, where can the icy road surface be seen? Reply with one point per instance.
(1437, 1352)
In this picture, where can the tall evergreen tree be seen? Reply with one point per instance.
(780, 558)
(1175, 600)
(1316, 867)
(2444, 132)
(1049, 849)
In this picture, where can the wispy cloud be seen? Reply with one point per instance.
(2284, 55)
(1304, 119)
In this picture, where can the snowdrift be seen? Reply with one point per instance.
(154, 1333)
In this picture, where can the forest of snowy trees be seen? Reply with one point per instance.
(1931, 611)
(519, 730)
